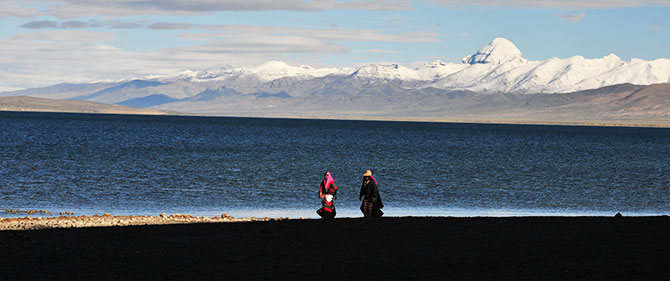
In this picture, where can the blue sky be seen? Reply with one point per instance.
(49, 42)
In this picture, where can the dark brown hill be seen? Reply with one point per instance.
(23, 103)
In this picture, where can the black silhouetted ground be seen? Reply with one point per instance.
(412, 248)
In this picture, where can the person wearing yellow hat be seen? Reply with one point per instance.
(371, 204)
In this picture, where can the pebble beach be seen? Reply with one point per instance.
(106, 220)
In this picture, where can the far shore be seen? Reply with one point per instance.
(387, 248)
(492, 120)
(469, 120)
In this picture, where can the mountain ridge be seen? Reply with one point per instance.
(494, 82)
(498, 67)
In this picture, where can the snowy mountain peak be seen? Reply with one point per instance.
(499, 51)
(386, 72)
(433, 64)
(277, 69)
(272, 65)
(612, 58)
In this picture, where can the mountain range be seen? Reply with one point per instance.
(495, 83)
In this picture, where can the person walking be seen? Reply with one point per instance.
(371, 201)
(327, 193)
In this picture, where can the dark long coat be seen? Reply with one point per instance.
(370, 194)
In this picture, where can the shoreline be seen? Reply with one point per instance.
(29, 219)
(495, 121)
(28, 223)
(388, 248)
(107, 220)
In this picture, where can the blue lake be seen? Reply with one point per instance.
(125, 164)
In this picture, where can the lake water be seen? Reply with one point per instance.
(124, 164)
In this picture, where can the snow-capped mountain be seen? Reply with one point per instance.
(495, 81)
(386, 72)
(498, 67)
(501, 68)
(499, 51)
(266, 72)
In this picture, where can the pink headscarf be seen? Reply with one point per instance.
(329, 180)
(373, 178)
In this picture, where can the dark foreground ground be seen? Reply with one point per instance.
(349, 249)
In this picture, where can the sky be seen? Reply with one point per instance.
(49, 42)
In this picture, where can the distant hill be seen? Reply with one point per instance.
(23, 103)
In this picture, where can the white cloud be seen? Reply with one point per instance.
(330, 34)
(395, 21)
(571, 17)
(170, 26)
(64, 51)
(66, 36)
(120, 8)
(560, 4)
(9, 10)
(64, 25)
(371, 35)
(333, 33)
(77, 24)
(125, 25)
(656, 28)
(47, 57)
(36, 61)
(263, 5)
(269, 44)
(379, 51)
